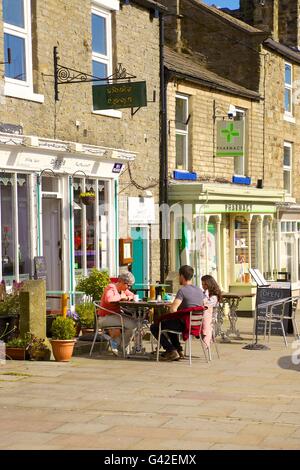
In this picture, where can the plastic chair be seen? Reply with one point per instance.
(98, 326)
(195, 321)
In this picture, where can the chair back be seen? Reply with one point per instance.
(294, 301)
(196, 318)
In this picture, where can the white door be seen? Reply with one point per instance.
(52, 242)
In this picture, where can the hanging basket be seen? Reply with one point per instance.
(87, 199)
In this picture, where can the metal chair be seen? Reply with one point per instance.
(195, 320)
(279, 317)
(97, 326)
(274, 312)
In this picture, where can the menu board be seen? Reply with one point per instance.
(276, 291)
(40, 267)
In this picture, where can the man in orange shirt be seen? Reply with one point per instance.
(112, 294)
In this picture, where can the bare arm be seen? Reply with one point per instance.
(175, 305)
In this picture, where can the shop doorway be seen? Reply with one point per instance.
(140, 262)
(52, 243)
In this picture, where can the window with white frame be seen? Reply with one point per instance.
(288, 89)
(182, 132)
(101, 44)
(240, 162)
(287, 167)
(17, 39)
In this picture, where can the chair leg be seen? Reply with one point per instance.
(203, 349)
(265, 328)
(158, 344)
(295, 328)
(94, 340)
(270, 330)
(215, 345)
(123, 343)
(190, 350)
(284, 335)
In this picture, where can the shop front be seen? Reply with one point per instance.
(231, 230)
(44, 214)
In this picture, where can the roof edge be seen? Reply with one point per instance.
(149, 4)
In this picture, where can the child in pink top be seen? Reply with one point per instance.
(213, 296)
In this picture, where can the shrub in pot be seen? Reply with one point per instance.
(94, 284)
(38, 349)
(85, 312)
(62, 342)
(9, 316)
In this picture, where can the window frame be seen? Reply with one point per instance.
(182, 132)
(288, 168)
(22, 89)
(243, 112)
(289, 86)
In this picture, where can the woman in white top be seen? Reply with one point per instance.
(212, 297)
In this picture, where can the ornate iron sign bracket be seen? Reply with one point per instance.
(65, 75)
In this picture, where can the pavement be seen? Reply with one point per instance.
(244, 400)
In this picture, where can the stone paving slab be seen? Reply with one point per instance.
(245, 400)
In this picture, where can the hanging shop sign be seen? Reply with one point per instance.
(230, 138)
(120, 95)
(141, 210)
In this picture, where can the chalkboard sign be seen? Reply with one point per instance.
(276, 291)
(40, 267)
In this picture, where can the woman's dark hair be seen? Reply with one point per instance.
(187, 272)
(212, 286)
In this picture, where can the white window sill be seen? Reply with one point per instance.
(22, 92)
(114, 113)
(289, 118)
(109, 4)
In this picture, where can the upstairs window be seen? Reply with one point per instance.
(101, 44)
(287, 167)
(288, 89)
(182, 132)
(17, 38)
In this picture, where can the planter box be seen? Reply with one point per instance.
(17, 354)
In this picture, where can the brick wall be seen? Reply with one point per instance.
(68, 25)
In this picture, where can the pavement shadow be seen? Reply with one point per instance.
(290, 362)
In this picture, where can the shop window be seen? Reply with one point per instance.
(182, 132)
(15, 227)
(267, 248)
(101, 44)
(287, 167)
(288, 89)
(241, 245)
(90, 235)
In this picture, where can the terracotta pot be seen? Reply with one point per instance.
(18, 354)
(62, 349)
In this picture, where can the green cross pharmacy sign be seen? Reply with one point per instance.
(230, 138)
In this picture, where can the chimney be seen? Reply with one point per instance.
(289, 22)
(262, 14)
(173, 24)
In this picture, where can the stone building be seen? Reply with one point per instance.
(243, 209)
(51, 151)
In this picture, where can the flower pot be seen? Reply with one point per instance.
(87, 331)
(18, 354)
(43, 355)
(87, 200)
(62, 349)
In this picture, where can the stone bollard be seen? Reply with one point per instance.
(33, 308)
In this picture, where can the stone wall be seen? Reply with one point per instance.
(68, 25)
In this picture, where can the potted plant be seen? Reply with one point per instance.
(85, 312)
(87, 198)
(9, 316)
(16, 349)
(62, 342)
(38, 349)
(94, 284)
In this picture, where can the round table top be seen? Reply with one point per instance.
(235, 295)
(142, 303)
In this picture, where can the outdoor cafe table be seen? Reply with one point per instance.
(140, 312)
(232, 300)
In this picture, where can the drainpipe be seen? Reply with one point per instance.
(163, 180)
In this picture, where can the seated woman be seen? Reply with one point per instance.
(212, 297)
(112, 294)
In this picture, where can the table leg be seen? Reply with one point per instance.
(232, 330)
(219, 324)
(138, 350)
